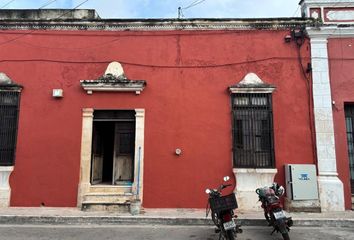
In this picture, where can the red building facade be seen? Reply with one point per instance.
(157, 124)
(331, 44)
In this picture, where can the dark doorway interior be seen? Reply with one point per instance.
(107, 131)
(113, 147)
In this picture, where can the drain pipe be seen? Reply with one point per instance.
(138, 181)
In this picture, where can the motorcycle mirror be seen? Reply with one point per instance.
(226, 178)
(207, 191)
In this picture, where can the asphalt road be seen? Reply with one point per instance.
(157, 232)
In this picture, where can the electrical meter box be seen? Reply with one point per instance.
(301, 182)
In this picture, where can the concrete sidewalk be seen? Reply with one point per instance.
(73, 216)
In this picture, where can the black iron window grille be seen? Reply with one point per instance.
(9, 107)
(252, 130)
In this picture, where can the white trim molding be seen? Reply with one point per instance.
(139, 154)
(93, 85)
(327, 32)
(331, 190)
(330, 11)
(85, 162)
(113, 80)
(85, 186)
(155, 24)
(251, 83)
(247, 181)
(5, 189)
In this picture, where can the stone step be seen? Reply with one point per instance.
(110, 189)
(110, 207)
(105, 197)
(103, 201)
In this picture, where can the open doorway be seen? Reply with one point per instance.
(113, 147)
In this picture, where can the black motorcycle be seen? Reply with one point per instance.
(273, 209)
(222, 212)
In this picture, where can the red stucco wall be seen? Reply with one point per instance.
(186, 101)
(341, 57)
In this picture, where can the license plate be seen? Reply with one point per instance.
(229, 225)
(279, 215)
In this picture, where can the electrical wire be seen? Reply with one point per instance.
(156, 65)
(150, 65)
(9, 2)
(121, 35)
(296, 11)
(308, 82)
(47, 4)
(25, 34)
(182, 66)
(194, 4)
(180, 9)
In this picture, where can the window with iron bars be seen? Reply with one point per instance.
(9, 106)
(252, 130)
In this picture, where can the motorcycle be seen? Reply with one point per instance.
(222, 212)
(273, 209)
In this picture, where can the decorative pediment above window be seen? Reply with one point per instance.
(7, 84)
(113, 80)
(251, 83)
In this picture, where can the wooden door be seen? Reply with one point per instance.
(123, 162)
(97, 157)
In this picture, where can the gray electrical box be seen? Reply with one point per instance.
(301, 182)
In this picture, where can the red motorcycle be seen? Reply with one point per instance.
(273, 209)
(222, 212)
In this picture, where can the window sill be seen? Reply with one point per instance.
(255, 170)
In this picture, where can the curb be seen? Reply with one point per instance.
(113, 220)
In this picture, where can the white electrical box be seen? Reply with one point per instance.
(58, 93)
(301, 182)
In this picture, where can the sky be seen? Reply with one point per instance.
(169, 8)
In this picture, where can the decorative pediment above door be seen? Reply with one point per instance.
(113, 80)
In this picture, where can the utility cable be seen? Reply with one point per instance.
(156, 65)
(194, 4)
(308, 83)
(6, 4)
(47, 3)
(25, 34)
(296, 11)
(180, 9)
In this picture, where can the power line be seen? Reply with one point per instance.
(230, 64)
(9, 2)
(180, 9)
(296, 11)
(25, 34)
(47, 3)
(194, 4)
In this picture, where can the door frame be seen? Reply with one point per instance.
(86, 152)
(349, 112)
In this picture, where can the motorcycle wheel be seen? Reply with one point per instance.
(285, 236)
(230, 235)
(284, 231)
(215, 218)
(267, 217)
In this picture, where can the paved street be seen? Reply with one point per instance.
(149, 232)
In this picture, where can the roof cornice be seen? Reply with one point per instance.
(157, 24)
